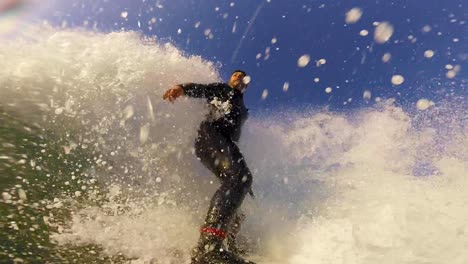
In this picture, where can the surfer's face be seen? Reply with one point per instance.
(237, 81)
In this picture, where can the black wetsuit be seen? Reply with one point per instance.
(217, 149)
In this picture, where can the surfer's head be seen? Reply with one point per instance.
(239, 80)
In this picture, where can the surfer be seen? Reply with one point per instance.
(216, 147)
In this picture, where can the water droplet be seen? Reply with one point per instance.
(144, 133)
(59, 111)
(285, 86)
(367, 95)
(353, 15)
(424, 104)
(451, 74)
(386, 57)
(321, 62)
(264, 94)
(303, 60)
(383, 32)
(397, 79)
(246, 79)
(426, 28)
(428, 54)
(128, 112)
(6, 196)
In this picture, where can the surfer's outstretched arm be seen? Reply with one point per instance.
(200, 90)
(192, 90)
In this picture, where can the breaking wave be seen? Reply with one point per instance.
(98, 167)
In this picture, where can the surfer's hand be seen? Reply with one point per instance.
(171, 94)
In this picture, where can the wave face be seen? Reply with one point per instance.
(98, 168)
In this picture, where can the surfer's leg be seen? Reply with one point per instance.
(236, 183)
(232, 236)
(223, 158)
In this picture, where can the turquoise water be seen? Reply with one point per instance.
(35, 171)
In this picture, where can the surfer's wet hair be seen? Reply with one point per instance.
(241, 71)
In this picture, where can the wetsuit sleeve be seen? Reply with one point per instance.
(198, 90)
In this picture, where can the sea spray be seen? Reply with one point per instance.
(67, 135)
(378, 185)
(109, 174)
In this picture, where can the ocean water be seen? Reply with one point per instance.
(96, 168)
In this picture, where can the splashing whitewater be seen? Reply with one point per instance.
(375, 185)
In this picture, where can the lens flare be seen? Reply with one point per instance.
(16, 16)
(11, 15)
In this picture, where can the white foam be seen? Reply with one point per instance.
(375, 207)
(157, 233)
(349, 197)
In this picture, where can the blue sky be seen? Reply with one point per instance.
(316, 28)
